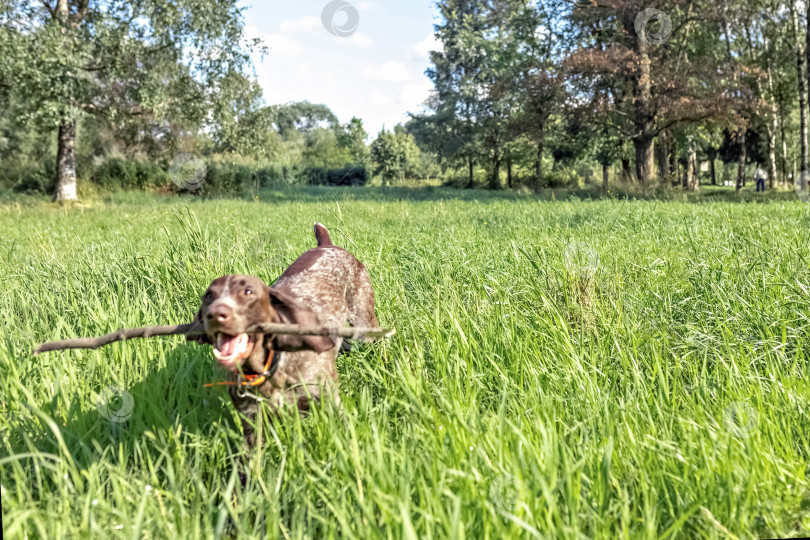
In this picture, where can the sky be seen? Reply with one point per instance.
(368, 61)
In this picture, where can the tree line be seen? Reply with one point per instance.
(97, 89)
(525, 93)
(655, 87)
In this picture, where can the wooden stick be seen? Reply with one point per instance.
(193, 330)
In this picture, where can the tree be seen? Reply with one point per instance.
(140, 61)
(394, 155)
(457, 78)
(644, 80)
(243, 125)
(303, 116)
(802, 71)
(538, 77)
(353, 139)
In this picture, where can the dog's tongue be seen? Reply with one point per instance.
(231, 347)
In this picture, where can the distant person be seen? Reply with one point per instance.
(760, 176)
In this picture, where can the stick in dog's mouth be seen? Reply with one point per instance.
(230, 349)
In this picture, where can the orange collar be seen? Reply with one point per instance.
(254, 379)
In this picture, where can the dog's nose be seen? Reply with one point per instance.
(219, 313)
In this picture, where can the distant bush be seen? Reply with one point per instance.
(37, 178)
(563, 178)
(124, 174)
(222, 177)
(225, 179)
(347, 176)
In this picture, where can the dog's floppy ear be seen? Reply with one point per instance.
(291, 312)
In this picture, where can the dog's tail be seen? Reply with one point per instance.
(322, 236)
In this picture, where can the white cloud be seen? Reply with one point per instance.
(358, 38)
(414, 94)
(430, 43)
(388, 71)
(280, 45)
(301, 26)
(379, 99)
(304, 61)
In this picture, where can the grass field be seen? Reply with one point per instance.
(662, 391)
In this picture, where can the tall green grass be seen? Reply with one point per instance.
(665, 394)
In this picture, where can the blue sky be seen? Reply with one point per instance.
(376, 73)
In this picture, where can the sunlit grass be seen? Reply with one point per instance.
(664, 393)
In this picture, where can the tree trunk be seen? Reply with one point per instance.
(605, 177)
(509, 172)
(795, 171)
(772, 154)
(661, 150)
(643, 117)
(690, 169)
(495, 179)
(784, 160)
(66, 138)
(538, 162)
(627, 174)
(712, 169)
(645, 160)
(774, 125)
(470, 184)
(66, 161)
(673, 163)
(694, 178)
(802, 83)
(741, 165)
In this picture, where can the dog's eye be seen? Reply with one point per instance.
(248, 292)
(208, 295)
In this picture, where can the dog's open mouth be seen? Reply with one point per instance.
(229, 349)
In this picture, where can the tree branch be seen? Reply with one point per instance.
(48, 7)
(81, 11)
(195, 330)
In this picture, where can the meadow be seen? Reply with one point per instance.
(567, 368)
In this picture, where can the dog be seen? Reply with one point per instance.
(325, 286)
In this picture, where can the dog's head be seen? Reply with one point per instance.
(233, 304)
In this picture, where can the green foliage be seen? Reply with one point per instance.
(302, 116)
(118, 173)
(243, 125)
(320, 147)
(35, 178)
(152, 68)
(353, 139)
(236, 179)
(347, 176)
(394, 155)
(562, 178)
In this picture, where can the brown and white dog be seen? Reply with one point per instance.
(326, 286)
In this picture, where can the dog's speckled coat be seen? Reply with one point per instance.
(326, 285)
